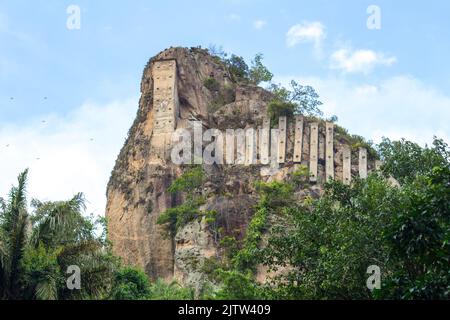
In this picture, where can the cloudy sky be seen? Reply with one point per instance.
(68, 95)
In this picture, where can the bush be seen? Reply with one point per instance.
(130, 284)
(277, 109)
(212, 84)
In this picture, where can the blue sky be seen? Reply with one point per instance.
(67, 97)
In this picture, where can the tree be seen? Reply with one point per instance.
(304, 98)
(13, 237)
(321, 249)
(405, 160)
(130, 284)
(419, 237)
(36, 250)
(258, 72)
(238, 68)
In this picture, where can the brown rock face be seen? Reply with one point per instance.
(193, 86)
(137, 189)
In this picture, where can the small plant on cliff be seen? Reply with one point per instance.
(189, 184)
(212, 84)
(239, 70)
(236, 272)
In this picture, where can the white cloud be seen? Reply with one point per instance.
(67, 155)
(359, 61)
(259, 24)
(306, 32)
(396, 107)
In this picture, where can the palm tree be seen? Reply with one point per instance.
(13, 237)
(64, 232)
(36, 250)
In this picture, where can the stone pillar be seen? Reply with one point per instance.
(347, 165)
(264, 142)
(363, 163)
(313, 151)
(165, 104)
(282, 140)
(298, 143)
(329, 151)
(250, 147)
(240, 146)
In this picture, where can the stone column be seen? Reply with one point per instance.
(165, 104)
(347, 165)
(329, 151)
(298, 143)
(282, 140)
(363, 163)
(264, 142)
(313, 151)
(250, 147)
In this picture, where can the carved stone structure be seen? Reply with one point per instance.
(165, 100)
(298, 142)
(314, 152)
(174, 95)
(329, 153)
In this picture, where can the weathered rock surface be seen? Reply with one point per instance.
(137, 191)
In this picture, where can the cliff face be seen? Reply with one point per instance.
(137, 191)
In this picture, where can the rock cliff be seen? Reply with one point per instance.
(205, 91)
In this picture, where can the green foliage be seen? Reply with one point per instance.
(13, 239)
(278, 108)
(419, 237)
(355, 141)
(258, 72)
(327, 244)
(34, 267)
(42, 273)
(236, 285)
(238, 68)
(300, 177)
(304, 98)
(188, 182)
(130, 284)
(211, 84)
(160, 290)
(177, 217)
(236, 273)
(405, 160)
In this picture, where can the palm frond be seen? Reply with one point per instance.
(47, 290)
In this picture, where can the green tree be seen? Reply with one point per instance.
(258, 72)
(419, 238)
(405, 160)
(13, 239)
(130, 284)
(304, 98)
(36, 250)
(238, 68)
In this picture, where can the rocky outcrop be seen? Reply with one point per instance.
(137, 192)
